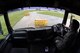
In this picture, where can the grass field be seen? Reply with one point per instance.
(52, 13)
(57, 14)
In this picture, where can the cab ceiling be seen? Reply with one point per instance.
(69, 5)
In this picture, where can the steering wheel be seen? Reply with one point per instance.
(60, 30)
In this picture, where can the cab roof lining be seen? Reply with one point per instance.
(69, 5)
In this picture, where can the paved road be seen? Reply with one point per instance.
(28, 21)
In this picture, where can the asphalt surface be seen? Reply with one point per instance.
(28, 21)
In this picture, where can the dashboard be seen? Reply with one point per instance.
(39, 34)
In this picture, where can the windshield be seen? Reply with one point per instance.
(35, 17)
(32, 17)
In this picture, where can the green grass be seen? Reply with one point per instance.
(57, 14)
(3, 27)
(52, 13)
(14, 17)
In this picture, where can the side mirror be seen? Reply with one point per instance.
(1, 31)
(71, 18)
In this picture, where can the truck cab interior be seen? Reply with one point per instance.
(51, 39)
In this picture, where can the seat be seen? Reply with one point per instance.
(78, 43)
